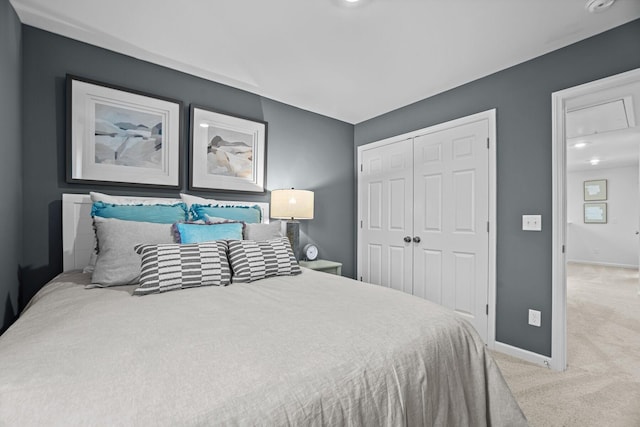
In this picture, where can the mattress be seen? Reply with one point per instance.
(313, 349)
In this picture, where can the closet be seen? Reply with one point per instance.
(424, 215)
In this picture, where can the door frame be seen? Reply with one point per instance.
(558, 360)
(490, 116)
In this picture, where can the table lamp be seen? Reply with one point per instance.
(292, 205)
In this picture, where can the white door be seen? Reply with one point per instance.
(451, 214)
(386, 206)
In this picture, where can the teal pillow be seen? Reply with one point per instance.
(197, 233)
(160, 214)
(247, 214)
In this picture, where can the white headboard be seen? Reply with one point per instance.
(78, 237)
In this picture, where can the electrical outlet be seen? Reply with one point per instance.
(534, 318)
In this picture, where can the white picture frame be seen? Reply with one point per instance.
(120, 136)
(595, 190)
(227, 152)
(595, 213)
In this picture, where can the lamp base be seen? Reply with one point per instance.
(293, 234)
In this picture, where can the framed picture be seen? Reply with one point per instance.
(595, 190)
(227, 152)
(595, 213)
(116, 135)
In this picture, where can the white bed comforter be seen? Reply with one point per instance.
(314, 349)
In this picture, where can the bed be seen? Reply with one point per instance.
(306, 349)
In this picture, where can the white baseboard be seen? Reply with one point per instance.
(605, 264)
(527, 355)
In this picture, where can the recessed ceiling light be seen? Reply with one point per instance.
(352, 3)
(580, 144)
(596, 6)
(594, 162)
(204, 125)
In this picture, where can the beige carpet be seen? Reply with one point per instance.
(601, 386)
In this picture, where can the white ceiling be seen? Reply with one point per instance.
(349, 63)
(614, 150)
(608, 122)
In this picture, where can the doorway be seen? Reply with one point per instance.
(585, 119)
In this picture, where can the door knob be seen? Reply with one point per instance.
(416, 239)
(407, 239)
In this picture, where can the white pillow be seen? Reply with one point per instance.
(190, 199)
(130, 200)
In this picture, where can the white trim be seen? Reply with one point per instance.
(604, 264)
(484, 115)
(493, 191)
(527, 355)
(558, 238)
(559, 210)
(490, 116)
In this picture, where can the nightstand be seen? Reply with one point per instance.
(330, 267)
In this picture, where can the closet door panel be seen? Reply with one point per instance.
(451, 170)
(427, 281)
(387, 215)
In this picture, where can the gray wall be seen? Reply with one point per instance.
(522, 96)
(304, 150)
(10, 162)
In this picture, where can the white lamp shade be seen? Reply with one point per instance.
(296, 204)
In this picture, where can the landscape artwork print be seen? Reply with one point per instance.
(121, 136)
(127, 137)
(229, 153)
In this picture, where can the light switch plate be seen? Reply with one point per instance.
(534, 317)
(532, 222)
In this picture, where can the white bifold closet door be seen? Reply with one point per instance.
(387, 198)
(424, 212)
(451, 213)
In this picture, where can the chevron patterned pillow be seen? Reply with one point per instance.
(166, 267)
(252, 260)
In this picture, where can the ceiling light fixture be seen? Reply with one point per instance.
(580, 144)
(351, 3)
(597, 6)
(594, 162)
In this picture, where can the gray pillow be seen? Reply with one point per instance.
(260, 232)
(175, 266)
(254, 260)
(118, 263)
